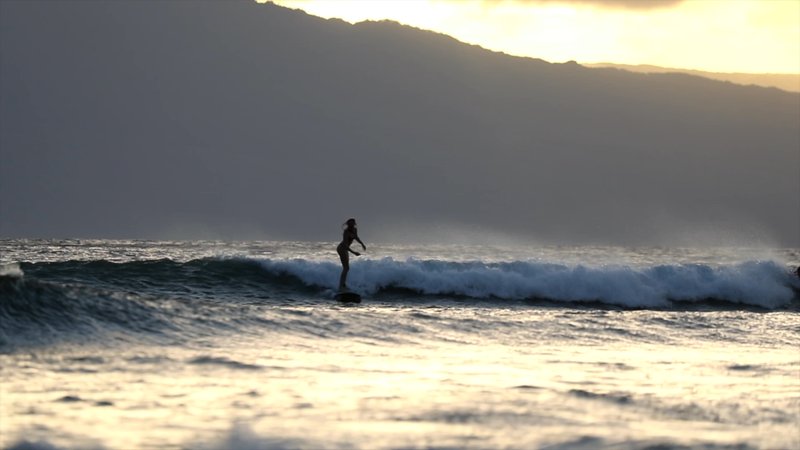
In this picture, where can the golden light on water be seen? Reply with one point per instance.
(717, 36)
(292, 391)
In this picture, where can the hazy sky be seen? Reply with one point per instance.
(753, 36)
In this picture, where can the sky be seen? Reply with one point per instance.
(747, 36)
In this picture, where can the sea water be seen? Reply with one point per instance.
(240, 345)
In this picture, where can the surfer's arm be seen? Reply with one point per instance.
(353, 251)
(359, 241)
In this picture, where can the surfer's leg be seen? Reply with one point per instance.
(343, 279)
(345, 258)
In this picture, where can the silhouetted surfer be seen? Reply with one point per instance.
(349, 234)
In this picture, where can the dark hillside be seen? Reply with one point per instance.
(139, 119)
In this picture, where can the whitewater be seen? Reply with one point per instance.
(108, 344)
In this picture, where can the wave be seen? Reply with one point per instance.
(765, 284)
(171, 301)
(33, 311)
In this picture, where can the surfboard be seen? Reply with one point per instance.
(348, 297)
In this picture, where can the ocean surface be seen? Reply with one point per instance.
(240, 345)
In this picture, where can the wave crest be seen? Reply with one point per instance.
(764, 284)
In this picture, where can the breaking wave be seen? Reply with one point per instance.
(169, 300)
(763, 284)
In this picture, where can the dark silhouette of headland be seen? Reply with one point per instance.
(786, 81)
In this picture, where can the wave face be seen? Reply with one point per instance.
(170, 300)
(762, 284)
(163, 299)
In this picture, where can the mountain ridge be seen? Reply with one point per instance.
(259, 120)
(783, 81)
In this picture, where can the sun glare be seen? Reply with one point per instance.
(718, 36)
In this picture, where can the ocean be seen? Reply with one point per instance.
(108, 344)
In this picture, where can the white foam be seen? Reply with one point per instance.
(759, 283)
(11, 270)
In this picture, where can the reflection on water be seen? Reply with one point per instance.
(424, 377)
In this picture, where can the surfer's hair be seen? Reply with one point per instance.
(350, 223)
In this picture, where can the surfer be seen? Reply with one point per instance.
(349, 234)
